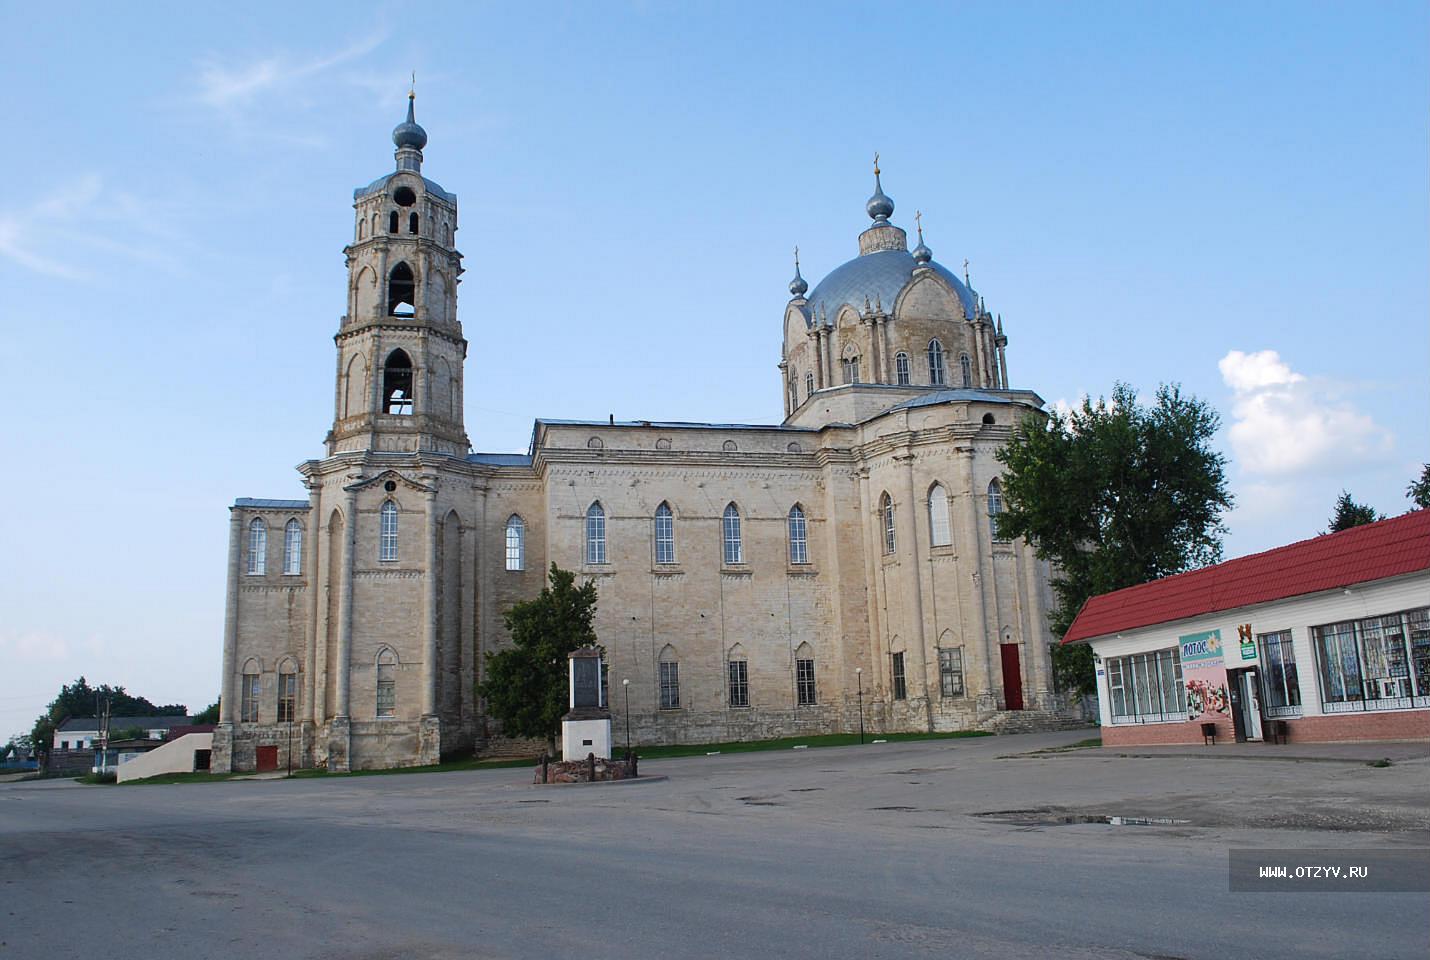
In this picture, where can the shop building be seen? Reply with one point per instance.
(1325, 639)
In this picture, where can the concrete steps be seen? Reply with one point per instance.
(1031, 721)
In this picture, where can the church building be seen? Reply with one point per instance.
(754, 580)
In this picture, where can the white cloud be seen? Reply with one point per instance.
(1285, 423)
(227, 87)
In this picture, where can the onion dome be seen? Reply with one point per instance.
(797, 287)
(409, 133)
(922, 254)
(880, 207)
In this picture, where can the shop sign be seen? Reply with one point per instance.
(1248, 645)
(1204, 675)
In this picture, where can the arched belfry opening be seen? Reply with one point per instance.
(401, 291)
(397, 384)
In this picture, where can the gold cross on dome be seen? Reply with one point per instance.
(876, 163)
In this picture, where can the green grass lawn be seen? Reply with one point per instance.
(646, 753)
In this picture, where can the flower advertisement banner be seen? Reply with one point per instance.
(1204, 675)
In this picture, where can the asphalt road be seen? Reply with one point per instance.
(874, 851)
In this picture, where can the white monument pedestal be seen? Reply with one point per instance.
(582, 737)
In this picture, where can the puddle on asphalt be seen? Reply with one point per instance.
(897, 809)
(758, 801)
(1049, 818)
(805, 789)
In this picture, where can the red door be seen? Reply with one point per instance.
(268, 757)
(1012, 677)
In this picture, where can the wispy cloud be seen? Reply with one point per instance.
(236, 86)
(1284, 423)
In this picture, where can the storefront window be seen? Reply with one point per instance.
(1377, 663)
(1146, 687)
(1281, 690)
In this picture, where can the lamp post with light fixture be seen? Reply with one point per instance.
(859, 679)
(626, 688)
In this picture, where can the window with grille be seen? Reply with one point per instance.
(936, 371)
(248, 704)
(596, 533)
(1147, 687)
(669, 685)
(886, 513)
(1280, 687)
(1374, 663)
(950, 672)
(387, 532)
(995, 507)
(804, 682)
(287, 697)
(257, 547)
(734, 551)
(940, 534)
(739, 683)
(901, 368)
(293, 548)
(664, 534)
(515, 543)
(901, 687)
(798, 536)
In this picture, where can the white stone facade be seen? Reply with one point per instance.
(379, 622)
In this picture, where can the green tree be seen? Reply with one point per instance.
(208, 714)
(79, 699)
(1419, 490)
(1114, 494)
(1349, 514)
(526, 685)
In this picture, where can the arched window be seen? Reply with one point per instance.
(669, 679)
(793, 392)
(248, 695)
(808, 385)
(412, 223)
(886, 515)
(387, 532)
(288, 691)
(397, 383)
(739, 674)
(730, 526)
(939, 533)
(386, 683)
(401, 290)
(257, 547)
(936, 371)
(966, 367)
(995, 507)
(515, 543)
(805, 692)
(901, 368)
(798, 536)
(293, 548)
(392, 222)
(851, 369)
(664, 534)
(595, 533)
(362, 229)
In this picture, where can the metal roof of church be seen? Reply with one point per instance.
(1361, 554)
(677, 425)
(380, 184)
(260, 504)
(879, 276)
(961, 393)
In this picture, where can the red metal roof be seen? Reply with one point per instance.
(1374, 551)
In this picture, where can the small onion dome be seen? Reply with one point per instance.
(797, 287)
(922, 254)
(409, 133)
(880, 207)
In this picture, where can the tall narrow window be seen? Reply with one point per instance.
(966, 368)
(806, 695)
(851, 369)
(995, 507)
(386, 683)
(287, 693)
(901, 685)
(1281, 689)
(669, 680)
(397, 384)
(901, 368)
(595, 533)
(293, 548)
(798, 536)
(808, 385)
(392, 222)
(664, 534)
(257, 547)
(936, 371)
(387, 532)
(412, 223)
(793, 393)
(515, 543)
(401, 291)
(248, 703)
(886, 516)
(950, 671)
(939, 532)
(730, 526)
(739, 683)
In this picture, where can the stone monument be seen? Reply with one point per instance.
(586, 727)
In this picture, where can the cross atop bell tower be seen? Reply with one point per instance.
(400, 345)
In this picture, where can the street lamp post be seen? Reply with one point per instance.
(626, 688)
(290, 745)
(859, 679)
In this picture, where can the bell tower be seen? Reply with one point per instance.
(400, 346)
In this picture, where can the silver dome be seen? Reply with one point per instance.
(880, 277)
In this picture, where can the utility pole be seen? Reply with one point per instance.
(104, 737)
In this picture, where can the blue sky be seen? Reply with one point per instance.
(1231, 197)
